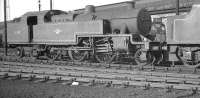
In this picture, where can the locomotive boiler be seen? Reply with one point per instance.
(104, 35)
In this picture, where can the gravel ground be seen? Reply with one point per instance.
(27, 89)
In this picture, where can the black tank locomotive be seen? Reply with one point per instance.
(105, 35)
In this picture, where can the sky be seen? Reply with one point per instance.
(17, 8)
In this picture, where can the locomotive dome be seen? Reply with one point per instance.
(89, 9)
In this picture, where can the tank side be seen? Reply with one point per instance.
(65, 32)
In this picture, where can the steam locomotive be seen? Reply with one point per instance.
(107, 35)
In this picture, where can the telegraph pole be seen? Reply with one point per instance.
(5, 27)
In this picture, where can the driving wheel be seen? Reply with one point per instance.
(77, 55)
(107, 57)
(142, 57)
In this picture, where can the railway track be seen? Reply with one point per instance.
(94, 76)
(170, 69)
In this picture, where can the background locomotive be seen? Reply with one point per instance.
(111, 33)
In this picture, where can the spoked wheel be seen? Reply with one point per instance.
(107, 57)
(77, 55)
(188, 57)
(19, 52)
(143, 57)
